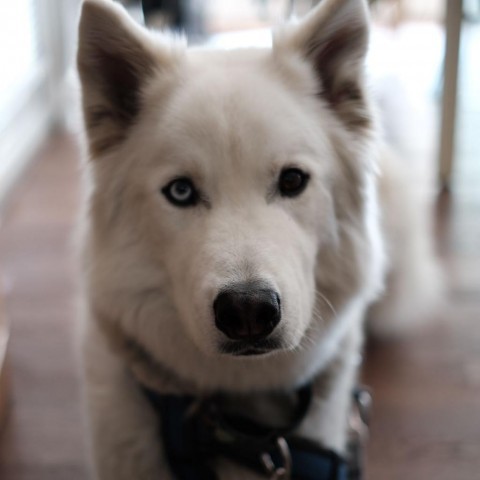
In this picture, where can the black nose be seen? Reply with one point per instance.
(247, 311)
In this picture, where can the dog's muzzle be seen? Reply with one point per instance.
(247, 313)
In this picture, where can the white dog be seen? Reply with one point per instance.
(234, 238)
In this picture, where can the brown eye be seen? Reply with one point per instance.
(292, 182)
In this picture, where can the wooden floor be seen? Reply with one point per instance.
(426, 419)
(43, 438)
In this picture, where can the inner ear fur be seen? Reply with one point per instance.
(115, 58)
(333, 38)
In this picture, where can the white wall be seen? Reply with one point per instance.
(37, 40)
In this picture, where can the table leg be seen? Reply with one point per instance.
(454, 12)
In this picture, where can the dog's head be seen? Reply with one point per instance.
(230, 188)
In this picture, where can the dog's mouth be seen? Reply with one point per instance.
(238, 348)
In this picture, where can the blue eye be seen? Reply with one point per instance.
(181, 192)
(292, 182)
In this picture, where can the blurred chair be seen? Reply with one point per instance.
(172, 13)
(186, 16)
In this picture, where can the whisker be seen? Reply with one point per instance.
(327, 301)
(310, 338)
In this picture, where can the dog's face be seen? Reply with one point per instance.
(237, 205)
(223, 181)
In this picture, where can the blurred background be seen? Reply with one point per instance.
(424, 72)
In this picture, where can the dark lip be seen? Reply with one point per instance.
(249, 349)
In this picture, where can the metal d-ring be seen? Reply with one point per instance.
(284, 471)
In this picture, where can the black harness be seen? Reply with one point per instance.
(196, 432)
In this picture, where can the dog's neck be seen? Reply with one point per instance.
(147, 371)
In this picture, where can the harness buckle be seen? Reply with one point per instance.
(284, 471)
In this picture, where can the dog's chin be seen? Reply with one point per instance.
(259, 348)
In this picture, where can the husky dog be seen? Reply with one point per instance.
(235, 236)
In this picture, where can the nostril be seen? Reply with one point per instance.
(248, 311)
(226, 318)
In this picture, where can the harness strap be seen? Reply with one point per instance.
(196, 432)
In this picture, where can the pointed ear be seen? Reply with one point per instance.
(115, 59)
(333, 38)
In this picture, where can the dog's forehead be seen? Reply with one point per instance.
(234, 96)
(235, 107)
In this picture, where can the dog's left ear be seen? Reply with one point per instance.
(333, 38)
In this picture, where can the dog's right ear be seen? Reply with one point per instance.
(115, 59)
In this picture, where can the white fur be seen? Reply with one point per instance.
(230, 121)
